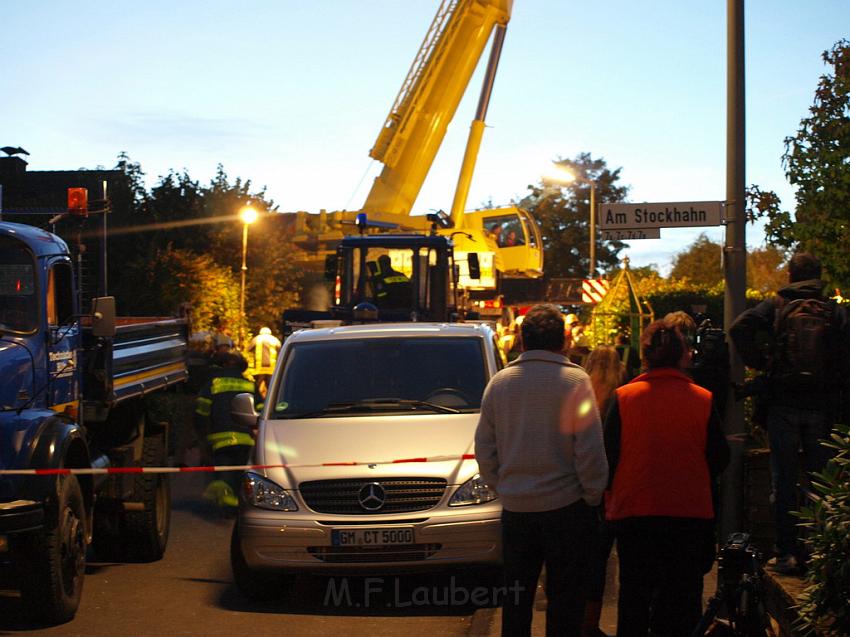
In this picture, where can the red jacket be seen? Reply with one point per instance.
(658, 431)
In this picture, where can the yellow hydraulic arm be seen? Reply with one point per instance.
(417, 122)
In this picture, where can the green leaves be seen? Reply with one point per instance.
(823, 605)
(817, 162)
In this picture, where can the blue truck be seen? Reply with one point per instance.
(74, 386)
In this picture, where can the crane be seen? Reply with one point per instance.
(506, 240)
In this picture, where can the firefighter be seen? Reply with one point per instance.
(264, 347)
(392, 288)
(228, 442)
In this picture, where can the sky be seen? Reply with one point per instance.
(292, 94)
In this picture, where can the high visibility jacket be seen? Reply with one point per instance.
(213, 403)
(392, 288)
(662, 444)
(264, 348)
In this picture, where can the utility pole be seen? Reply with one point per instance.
(734, 262)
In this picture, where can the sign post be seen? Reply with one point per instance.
(644, 216)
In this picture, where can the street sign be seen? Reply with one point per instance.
(630, 234)
(593, 290)
(624, 216)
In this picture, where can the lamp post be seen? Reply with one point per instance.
(248, 216)
(564, 175)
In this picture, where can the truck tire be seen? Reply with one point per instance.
(145, 532)
(51, 564)
(255, 584)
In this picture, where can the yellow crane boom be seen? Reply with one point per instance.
(507, 239)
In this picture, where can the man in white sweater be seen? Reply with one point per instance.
(539, 444)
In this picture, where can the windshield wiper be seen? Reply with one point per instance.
(370, 404)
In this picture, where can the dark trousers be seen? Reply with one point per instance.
(789, 428)
(599, 550)
(661, 569)
(559, 539)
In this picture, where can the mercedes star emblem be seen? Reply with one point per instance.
(372, 496)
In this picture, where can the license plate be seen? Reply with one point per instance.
(372, 537)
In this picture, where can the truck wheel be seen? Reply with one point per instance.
(51, 564)
(256, 584)
(146, 531)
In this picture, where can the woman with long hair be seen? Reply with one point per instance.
(606, 372)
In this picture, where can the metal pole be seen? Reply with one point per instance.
(734, 262)
(104, 280)
(592, 267)
(242, 295)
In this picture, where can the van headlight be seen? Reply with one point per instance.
(265, 494)
(473, 491)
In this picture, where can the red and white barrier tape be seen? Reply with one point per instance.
(247, 467)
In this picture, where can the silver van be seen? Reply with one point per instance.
(375, 426)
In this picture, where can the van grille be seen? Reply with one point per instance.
(401, 495)
(361, 555)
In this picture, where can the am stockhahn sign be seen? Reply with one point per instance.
(635, 216)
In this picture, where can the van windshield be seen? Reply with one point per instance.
(362, 376)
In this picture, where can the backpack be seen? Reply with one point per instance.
(803, 348)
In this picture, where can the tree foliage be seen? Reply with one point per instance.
(179, 232)
(700, 262)
(562, 210)
(701, 265)
(817, 164)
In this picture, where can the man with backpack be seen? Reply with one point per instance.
(799, 339)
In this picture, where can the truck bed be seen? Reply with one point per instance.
(146, 353)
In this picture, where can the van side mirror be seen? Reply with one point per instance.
(474, 265)
(330, 267)
(242, 410)
(103, 316)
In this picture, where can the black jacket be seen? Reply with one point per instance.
(753, 335)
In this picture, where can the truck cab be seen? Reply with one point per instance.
(391, 277)
(72, 407)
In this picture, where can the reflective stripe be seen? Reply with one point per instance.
(229, 439)
(396, 279)
(203, 406)
(224, 384)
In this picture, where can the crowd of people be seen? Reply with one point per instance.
(585, 456)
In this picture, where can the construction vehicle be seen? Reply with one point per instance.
(74, 396)
(507, 240)
(393, 277)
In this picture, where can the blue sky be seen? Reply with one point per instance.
(291, 94)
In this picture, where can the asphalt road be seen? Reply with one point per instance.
(190, 592)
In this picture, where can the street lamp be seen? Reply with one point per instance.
(248, 216)
(564, 175)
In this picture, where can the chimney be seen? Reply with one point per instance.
(12, 168)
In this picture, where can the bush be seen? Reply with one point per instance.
(824, 605)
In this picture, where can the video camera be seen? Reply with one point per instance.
(740, 594)
(710, 349)
(737, 558)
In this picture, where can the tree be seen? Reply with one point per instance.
(817, 163)
(180, 232)
(563, 214)
(700, 263)
(766, 271)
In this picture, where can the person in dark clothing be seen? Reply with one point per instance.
(392, 288)
(800, 413)
(665, 447)
(229, 443)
